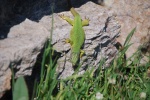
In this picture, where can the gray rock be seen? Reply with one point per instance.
(131, 14)
(100, 38)
(20, 51)
(25, 40)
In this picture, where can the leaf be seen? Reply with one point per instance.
(129, 37)
(20, 90)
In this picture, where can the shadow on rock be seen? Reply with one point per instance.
(13, 12)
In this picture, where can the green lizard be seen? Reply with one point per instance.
(77, 35)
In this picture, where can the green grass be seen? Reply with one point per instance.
(121, 81)
(125, 79)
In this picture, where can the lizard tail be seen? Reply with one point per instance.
(74, 58)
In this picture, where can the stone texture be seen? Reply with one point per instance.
(20, 51)
(24, 40)
(100, 38)
(134, 14)
(5, 80)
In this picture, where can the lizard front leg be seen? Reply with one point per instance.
(85, 22)
(70, 21)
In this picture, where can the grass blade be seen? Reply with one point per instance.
(20, 90)
(129, 37)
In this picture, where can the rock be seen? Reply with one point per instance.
(108, 21)
(134, 14)
(20, 51)
(100, 38)
(24, 40)
(5, 80)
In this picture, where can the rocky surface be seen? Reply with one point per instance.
(20, 50)
(100, 38)
(134, 14)
(22, 41)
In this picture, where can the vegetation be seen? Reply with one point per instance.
(125, 79)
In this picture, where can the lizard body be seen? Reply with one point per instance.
(77, 35)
